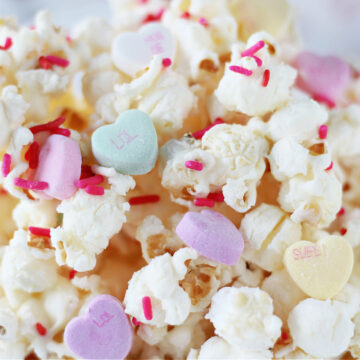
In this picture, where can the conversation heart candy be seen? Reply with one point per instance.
(103, 333)
(320, 269)
(322, 76)
(132, 52)
(212, 235)
(129, 146)
(59, 165)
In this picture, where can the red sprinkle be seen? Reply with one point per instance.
(253, 49)
(154, 17)
(93, 180)
(30, 185)
(50, 126)
(199, 134)
(330, 166)
(341, 211)
(56, 60)
(324, 100)
(135, 321)
(343, 231)
(45, 64)
(194, 165)
(32, 155)
(7, 45)
(204, 202)
(6, 164)
(284, 336)
(257, 59)
(217, 197)
(61, 131)
(240, 70)
(39, 231)
(86, 171)
(185, 15)
(266, 78)
(147, 307)
(146, 199)
(203, 22)
(166, 62)
(323, 129)
(72, 274)
(40, 329)
(95, 190)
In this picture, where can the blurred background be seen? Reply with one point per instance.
(326, 26)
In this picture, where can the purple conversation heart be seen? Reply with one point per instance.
(212, 235)
(103, 333)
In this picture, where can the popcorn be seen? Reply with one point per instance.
(244, 317)
(320, 328)
(159, 280)
(246, 94)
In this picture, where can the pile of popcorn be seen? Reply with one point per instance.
(248, 125)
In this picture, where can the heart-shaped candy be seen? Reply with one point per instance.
(325, 77)
(104, 333)
(132, 52)
(320, 269)
(59, 166)
(212, 235)
(129, 146)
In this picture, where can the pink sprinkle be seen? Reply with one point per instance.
(135, 321)
(341, 211)
(324, 100)
(330, 166)
(39, 231)
(50, 126)
(240, 70)
(217, 197)
(95, 190)
(61, 131)
(258, 60)
(7, 45)
(32, 155)
(253, 49)
(142, 2)
(93, 180)
(266, 78)
(6, 163)
(323, 129)
(56, 60)
(147, 307)
(185, 15)
(72, 273)
(68, 38)
(204, 202)
(45, 64)
(166, 62)
(203, 22)
(30, 185)
(199, 134)
(343, 231)
(194, 165)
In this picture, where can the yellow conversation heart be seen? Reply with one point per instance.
(320, 269)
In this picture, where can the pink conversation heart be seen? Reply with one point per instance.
(59, 166)
(324, 77)
(103, 333)
(212, 235)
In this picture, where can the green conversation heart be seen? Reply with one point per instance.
(129, 146)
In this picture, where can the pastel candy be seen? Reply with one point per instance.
(59, 166)
(322, 76)
(129, 146)
(320, 269)
(132, 52)
(103, 333)
(212, 235)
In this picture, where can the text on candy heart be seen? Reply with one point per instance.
(308, 252)
(105, 317)
(155, 43)
(123, 138)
